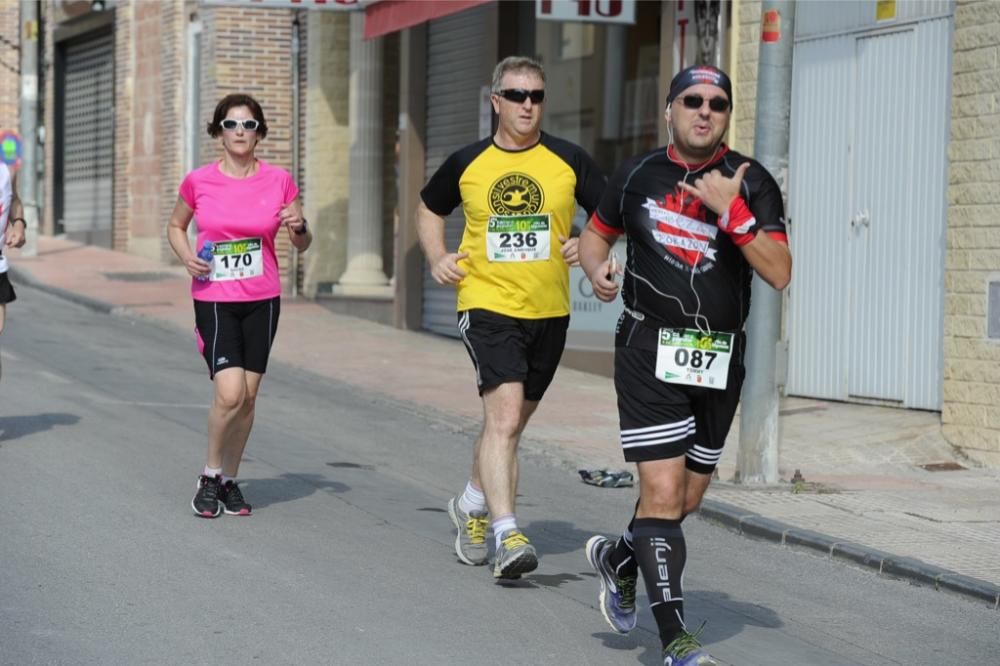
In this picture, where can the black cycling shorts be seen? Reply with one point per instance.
(7, 294)
(236, 335)
(508, 349)
(660, 420)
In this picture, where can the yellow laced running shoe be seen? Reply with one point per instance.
(515, 556)
(470, 540)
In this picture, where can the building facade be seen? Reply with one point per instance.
(894, 166)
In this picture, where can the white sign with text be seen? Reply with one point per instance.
(592, 11)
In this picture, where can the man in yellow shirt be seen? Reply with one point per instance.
(519, 190)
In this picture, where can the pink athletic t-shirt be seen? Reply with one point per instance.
(245, 210)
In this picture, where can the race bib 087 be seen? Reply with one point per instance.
(687, 356)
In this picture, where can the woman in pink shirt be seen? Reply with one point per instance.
(240, 203)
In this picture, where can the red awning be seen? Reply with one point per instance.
(388, 16)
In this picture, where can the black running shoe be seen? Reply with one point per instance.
(206, 501)
(232, 500)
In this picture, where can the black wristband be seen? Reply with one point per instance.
(304, 230)
(21, 220)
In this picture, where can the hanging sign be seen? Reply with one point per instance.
(591, 11)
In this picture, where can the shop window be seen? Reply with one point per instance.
(602, 84)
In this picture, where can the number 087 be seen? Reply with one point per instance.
(695, 358)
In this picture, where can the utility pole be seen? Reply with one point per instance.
(27, 179)
(758, 453)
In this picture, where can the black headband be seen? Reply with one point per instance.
(700, 74)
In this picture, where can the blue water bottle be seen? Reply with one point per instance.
(206, 254)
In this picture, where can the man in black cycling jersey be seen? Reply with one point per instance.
(699, 219)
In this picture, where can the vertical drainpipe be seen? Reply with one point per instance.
(296, 85)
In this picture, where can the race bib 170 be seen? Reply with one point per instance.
(238, 259)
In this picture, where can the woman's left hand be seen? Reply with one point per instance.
(291, 216)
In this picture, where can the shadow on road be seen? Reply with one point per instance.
(12, 427)
(726, 616)
(723, 616)
(637, 639)
(552, 580)
(556, 536)
(288, 488)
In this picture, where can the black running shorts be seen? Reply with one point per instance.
(7, 294)
(660, 420)
(507, 349)
(236, 335)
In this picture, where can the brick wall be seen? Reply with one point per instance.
(170, 116)
(325, 163)
(10, 65)
(747, 24)
(149, 131)
(124, 126)
(971, 415)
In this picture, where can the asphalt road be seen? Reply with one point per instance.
(348, 557)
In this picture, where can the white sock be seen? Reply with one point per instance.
(503, 524)
(212, 472)
(227, 479)
(472, 499)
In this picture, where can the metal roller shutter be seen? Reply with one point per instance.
(454, 78)
(87, 121)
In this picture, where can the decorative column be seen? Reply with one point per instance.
(364, 217)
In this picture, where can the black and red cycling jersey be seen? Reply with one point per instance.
(675, 243)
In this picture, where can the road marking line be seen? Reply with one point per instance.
(141, 403)
(53, 377)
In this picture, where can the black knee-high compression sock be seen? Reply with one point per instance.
(622, 556)
(661, 553)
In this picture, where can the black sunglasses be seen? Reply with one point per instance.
(518, 95)
(717, 104)
(249, 124)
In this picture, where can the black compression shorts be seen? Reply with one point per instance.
(660, 420)
(238, 334)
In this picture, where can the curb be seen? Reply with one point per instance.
(21, 276)
(884, 564)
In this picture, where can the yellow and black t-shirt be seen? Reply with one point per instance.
(517, 204)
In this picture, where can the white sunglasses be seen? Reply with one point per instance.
(249, 124)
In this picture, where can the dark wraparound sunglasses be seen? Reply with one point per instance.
(249, 124)
(717, 104)
(518, 95)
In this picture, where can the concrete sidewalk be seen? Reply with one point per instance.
(879, 487)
